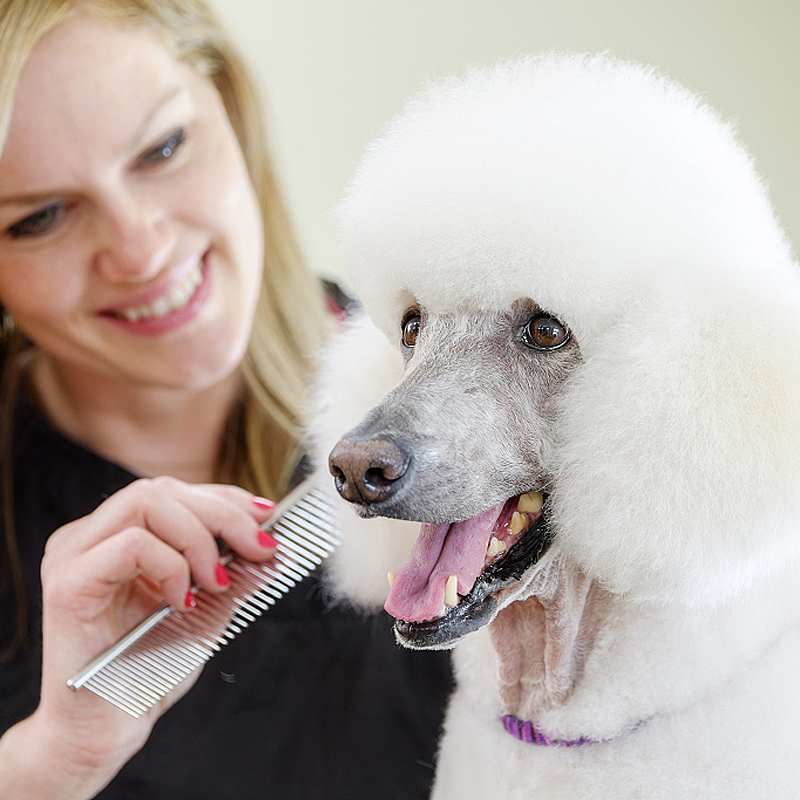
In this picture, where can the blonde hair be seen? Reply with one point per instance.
(261, 448)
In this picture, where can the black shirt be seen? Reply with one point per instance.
(311, 701)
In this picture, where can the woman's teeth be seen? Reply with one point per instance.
(175, 299)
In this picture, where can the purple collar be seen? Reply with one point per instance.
(528, 732)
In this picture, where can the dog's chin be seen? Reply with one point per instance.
(495, 587)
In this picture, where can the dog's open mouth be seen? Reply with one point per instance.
(448, 587)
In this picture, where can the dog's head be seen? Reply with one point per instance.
(597, 312)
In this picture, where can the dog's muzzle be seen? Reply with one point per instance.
(373, 474)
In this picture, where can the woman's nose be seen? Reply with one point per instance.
(136, 241)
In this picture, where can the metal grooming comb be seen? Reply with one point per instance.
(145, 664)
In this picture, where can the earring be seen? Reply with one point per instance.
(7, 324)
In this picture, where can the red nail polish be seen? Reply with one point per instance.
(223, 579)
(190, 601)
(263, 503)
(265, 540)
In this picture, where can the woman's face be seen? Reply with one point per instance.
(130, 235)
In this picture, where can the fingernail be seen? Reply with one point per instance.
(223, 579)
(190, 601)
(265, 540)
(263, 503)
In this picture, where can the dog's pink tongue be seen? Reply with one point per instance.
(441, 551)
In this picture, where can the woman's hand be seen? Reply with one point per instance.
(100, 576)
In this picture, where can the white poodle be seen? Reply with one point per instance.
(588, 323)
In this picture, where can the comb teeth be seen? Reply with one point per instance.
(167, 646)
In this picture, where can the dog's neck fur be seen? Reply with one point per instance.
(542, 642)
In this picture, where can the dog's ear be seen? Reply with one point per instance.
(677, 463)
(356, 369)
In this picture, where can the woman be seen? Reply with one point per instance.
(157, 322)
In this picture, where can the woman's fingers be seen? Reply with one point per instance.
(88, 585)
(186, 518)
(136, 552)
(231, 513)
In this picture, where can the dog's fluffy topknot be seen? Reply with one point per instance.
(576, 178)
(617, 201)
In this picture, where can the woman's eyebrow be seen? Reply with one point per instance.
(29, 199)
(141, 133)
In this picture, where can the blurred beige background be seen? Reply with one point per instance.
(334, 71)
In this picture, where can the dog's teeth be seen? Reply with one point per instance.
(496, 546)
(391, 577)
(451, 592)
(516, 523)
(530, 503)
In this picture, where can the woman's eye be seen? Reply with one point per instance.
(411, 327)
(545, 333)
(164, 150)
(37, 223)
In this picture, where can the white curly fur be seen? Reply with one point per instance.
(620, 203)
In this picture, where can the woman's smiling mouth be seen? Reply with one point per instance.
(170, 309)
(175, 299)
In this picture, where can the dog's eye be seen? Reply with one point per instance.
(545, 333)
(411, 326)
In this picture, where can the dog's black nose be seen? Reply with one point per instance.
(367, 472)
